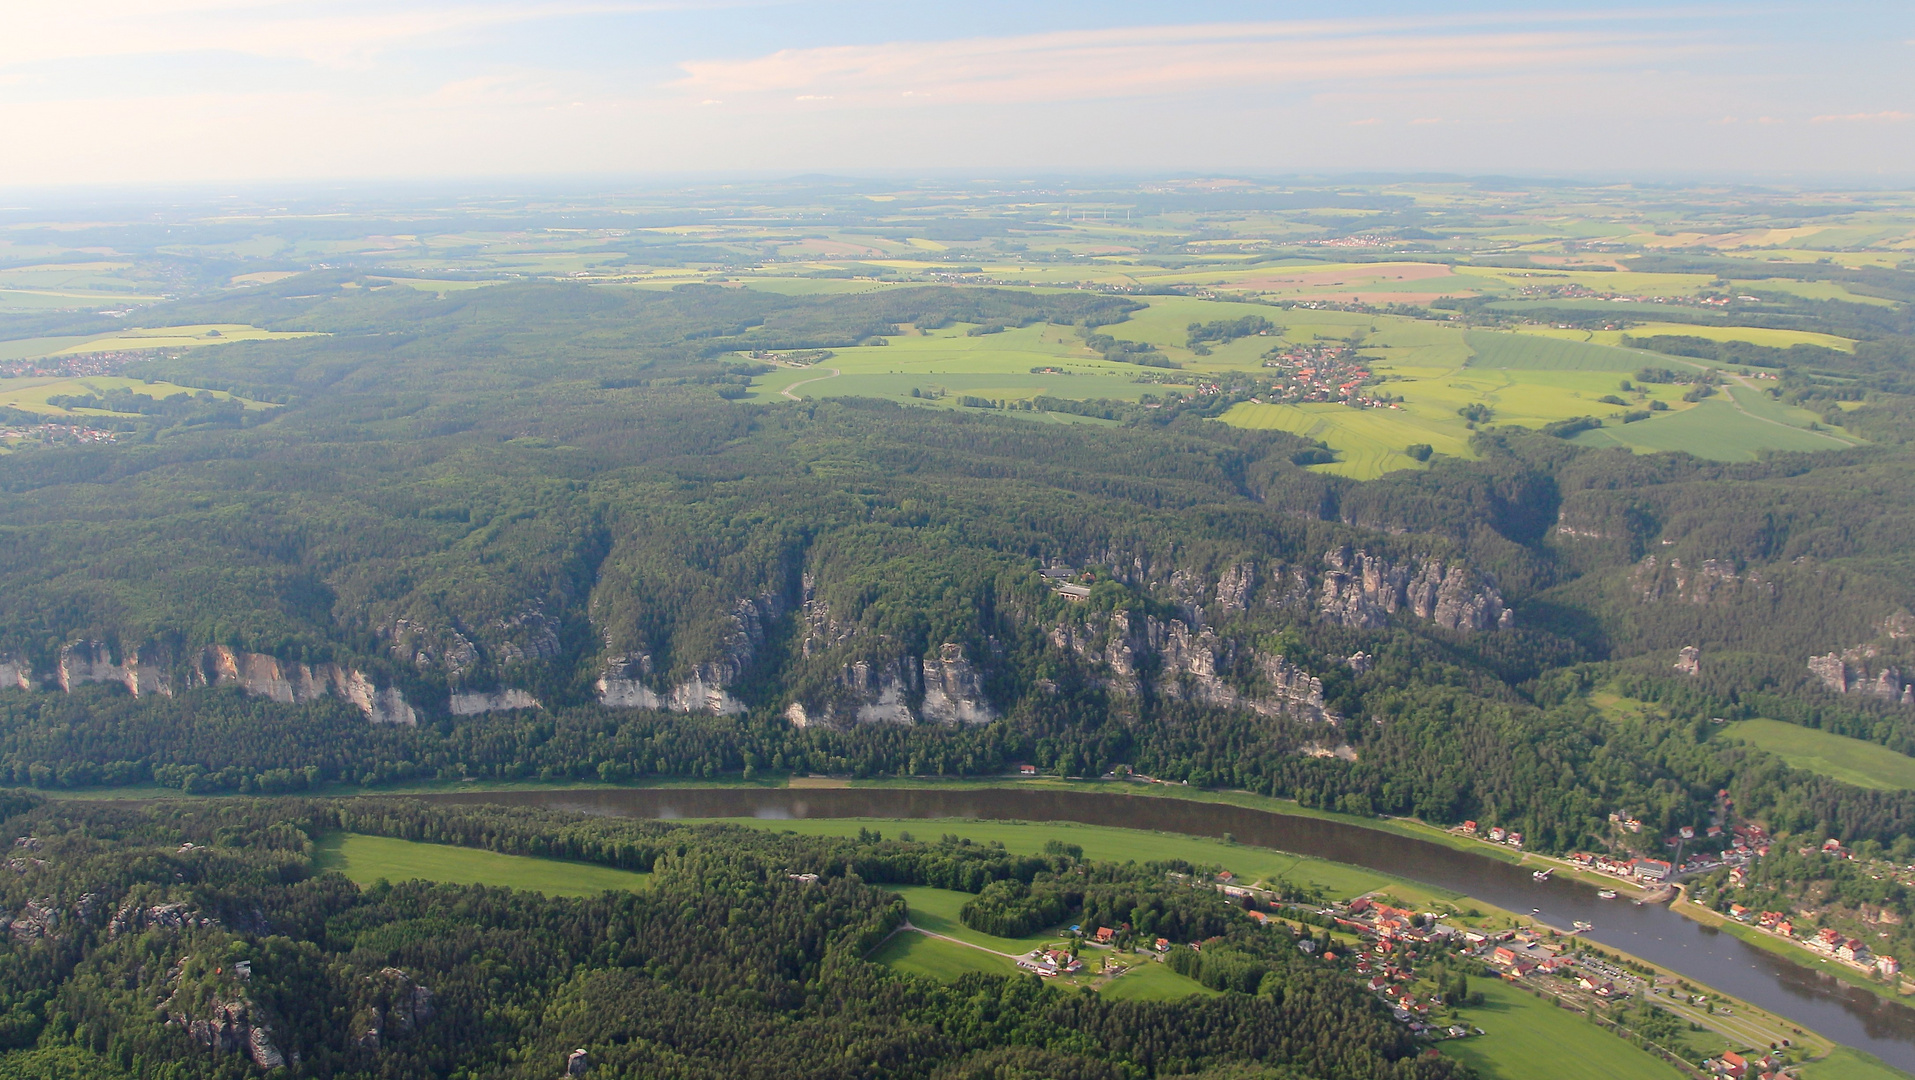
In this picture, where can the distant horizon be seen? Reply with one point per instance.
(240, 91)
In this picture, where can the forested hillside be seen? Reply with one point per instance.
(180, 941)
(528, 531)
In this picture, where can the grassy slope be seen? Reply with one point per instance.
(1153, 982)
(1846, 1064)
(1851, 761)
(366, 859)
(936, 910)
(1527, 1039)
(30, 394)
(940, 960)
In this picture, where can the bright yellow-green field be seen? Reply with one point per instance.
(1852, 761)
(195, 336)
(1754, 335)
(366, 859)
(30, 394)
(1526, 379)
(1529, 1039)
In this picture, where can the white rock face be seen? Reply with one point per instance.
(268, 676)
(15, 672)
(92, 661)
(624, 682)
(953, 691)
(472, 704)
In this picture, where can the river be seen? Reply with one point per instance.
(1842, 1012)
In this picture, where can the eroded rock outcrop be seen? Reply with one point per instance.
(953, 689)
(1363, 590)
(1689, 660)
(17, 672)
(89, 661)
(472, 703)
(627, 682)
(395, 1005)
(1656, 579)
(1169, 659)
(293, 683)
(1883, 668)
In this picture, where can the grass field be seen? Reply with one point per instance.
(1852, 761)
(940, 960)
(1531, 352)
(937, 910)
(30, 394)
(366, 859)
(195, 336)
(1844, 1063)
(1124, 845)
(1715, 429)
(1528, 379)
(1529, 1039)
(1152, 981)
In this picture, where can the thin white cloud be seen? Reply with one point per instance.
(1889, 117)
(1155, 60)
(343, 32)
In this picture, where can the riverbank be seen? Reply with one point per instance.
(1036, 799)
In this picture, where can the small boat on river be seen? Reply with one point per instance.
(1606, 894)
(1584, 927)
(1543, 875)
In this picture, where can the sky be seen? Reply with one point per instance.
(118, 92)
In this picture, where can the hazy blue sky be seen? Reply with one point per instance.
(169, 90)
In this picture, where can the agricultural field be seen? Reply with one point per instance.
(1438, 370)
(1526, 1038)
(31, 393)
(366, 859)
(194, 336)
(1852, 761)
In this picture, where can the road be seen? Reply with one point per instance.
(787, 391)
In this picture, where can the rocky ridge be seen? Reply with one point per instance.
(625, 681)
(1136, 655)
(1873, 668)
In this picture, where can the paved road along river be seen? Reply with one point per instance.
(1845, 1013)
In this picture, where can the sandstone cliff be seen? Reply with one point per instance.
(626, 681)
(268, 676)
(1656, 579)
(1364, 590)
(91, 661)
(1884, 668)
(1168, 659)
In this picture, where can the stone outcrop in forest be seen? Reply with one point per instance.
(1881, 668)
(1138, 655)
(293, 683)
(1363, 590)
(627, 681)
(1707, 581)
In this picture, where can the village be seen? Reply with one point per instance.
(1320, 372)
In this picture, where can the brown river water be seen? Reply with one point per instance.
(1817, 1001)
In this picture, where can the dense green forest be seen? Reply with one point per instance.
(525, 532)
(196, 939)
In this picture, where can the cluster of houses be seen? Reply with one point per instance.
(1050, 962)
(1734, 1066)
(1320, 372)
(60, 433)
(1637, 869)
(1496, 834)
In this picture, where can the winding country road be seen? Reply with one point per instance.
(787, 391)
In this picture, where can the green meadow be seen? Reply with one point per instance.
(30, 393)
(1106, 843)
(366, 859)
(1852, 761)
(938, 959)
(1151, 981)
(1531, 378)
(1527, 1038)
